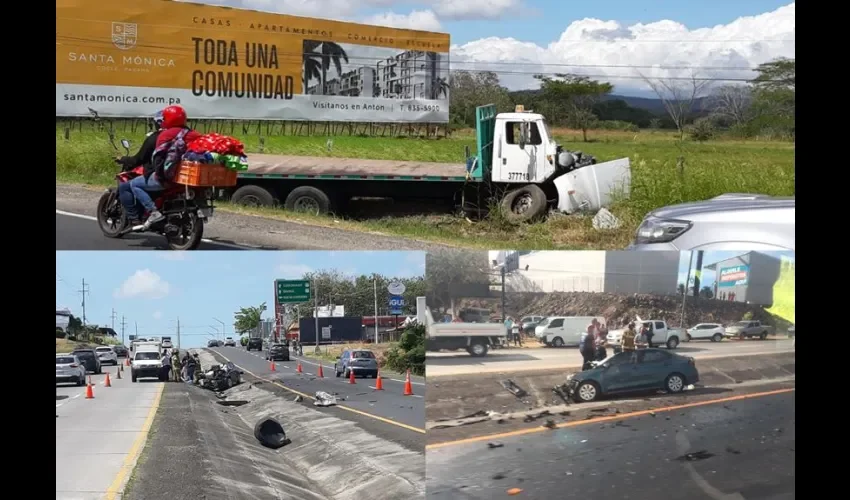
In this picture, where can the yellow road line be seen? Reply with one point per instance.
(342, 407)
(130, 460)
(620, 416)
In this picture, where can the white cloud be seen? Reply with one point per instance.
(144, 283)
(476, 9)
(157, 315)
(293, 270)
(423, 20)
(745, 42)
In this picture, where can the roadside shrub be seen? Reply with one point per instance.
(60, 334)
(243, 341)
(702, 130)
(409, 354)
(748, 316)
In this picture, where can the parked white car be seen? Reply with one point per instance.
(560, 331)
(107, 355)
(705, 331)
(229, 342)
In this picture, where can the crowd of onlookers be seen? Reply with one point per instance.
(180, 369)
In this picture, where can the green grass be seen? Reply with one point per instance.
(708, 169)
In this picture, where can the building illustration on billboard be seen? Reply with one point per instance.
(121, 60)
(733, 276)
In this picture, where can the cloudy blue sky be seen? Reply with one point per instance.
(154, 289)
(619, 40)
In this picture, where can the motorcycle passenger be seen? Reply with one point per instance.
(141, 158)
(173, 124)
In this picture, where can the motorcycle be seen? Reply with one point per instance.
(186, 210)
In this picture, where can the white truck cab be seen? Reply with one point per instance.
(475, 338)
(661, 333)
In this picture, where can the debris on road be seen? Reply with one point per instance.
(604, 219)
(324, 399)
(693, 457)
(298, 399)
(495, 445)
(239, 402)
(270, 433)
(220, 377)
(513, 388)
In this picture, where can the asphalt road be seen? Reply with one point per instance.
(538, 358)
(735, 449)
(98, 440)
(389, 404)
(226, 229)
(75, 232)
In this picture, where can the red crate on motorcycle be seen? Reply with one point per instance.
(192, 173)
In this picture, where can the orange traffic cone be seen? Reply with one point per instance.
(408, 387)
(321, 373)
(89, 392)
(379, 384)
(351, 377)
(298, 368)
(273, 367)
(107, 382)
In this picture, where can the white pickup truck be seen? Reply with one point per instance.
(475, 338)
(662, 334)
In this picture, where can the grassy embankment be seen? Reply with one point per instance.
(709, 169)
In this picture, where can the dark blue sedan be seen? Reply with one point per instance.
(641, 370)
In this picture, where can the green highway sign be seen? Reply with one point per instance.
(292, 291)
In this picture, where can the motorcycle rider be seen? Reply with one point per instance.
(173, 124)
(141, 158)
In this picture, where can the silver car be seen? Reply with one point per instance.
(69, 369)
(360, 362)
(107, 355)
(727, 222)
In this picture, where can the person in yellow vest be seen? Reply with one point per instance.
(628, 342)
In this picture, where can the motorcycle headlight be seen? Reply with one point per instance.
(654, 230)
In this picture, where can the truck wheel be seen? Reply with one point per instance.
(308, 199)
(253, 196)
(763, 336)
(477, 350)
(558, 342)
(524, 204)
(672, 342)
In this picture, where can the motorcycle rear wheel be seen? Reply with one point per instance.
(189, 238)
(111, 217)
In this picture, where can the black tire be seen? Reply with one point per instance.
(99, 371)
(716, 337)
(336, 373)
(672, 342)
(108, 204)
(133, 376)
(477, 350)
(763, 336)
(524, 204)
(347, 373)
(193, 241)
(308, 199)
(558, 342)
(586, 392)
(253, 196)
(675, 383)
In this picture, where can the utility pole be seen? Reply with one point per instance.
(698, 274)
(316, 312)
(123, 324)
(114, 315)
(84, 291)
(178, 333)
(503, 271)
(136, 323)
(685, 288)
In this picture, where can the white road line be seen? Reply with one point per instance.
(92, 218)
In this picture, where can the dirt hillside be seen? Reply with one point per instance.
(619, 309)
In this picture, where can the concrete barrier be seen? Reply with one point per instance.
(343, 461)
(461, 396)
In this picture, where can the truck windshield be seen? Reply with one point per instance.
(147, 356)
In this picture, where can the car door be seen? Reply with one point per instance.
(343, 360)
(516, 164)
(619, 376)
(652, 368)
(556, 329)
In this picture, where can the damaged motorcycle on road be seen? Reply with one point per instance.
(220, 378)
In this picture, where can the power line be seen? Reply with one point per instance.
(84, 291)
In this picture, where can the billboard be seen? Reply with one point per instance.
(733, 276)
(131, 58)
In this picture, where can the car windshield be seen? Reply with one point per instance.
(362, 355)
(84, 354)
(146, 356)
(65, 360)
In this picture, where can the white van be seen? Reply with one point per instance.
(559, 331)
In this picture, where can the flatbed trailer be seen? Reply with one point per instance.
(516, 164)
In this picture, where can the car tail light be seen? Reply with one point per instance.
(73, 365)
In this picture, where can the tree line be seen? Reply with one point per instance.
(695, 106)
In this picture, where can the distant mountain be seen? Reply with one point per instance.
(653, 105)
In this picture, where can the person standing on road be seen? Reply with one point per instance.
(190, 368)
(166, 366)
(175, 365)
(600, 343)
(640, 339)
(586, 347)
(300, 348)
(646, 329)
(628, 342)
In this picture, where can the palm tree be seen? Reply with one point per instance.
(440, 87)
(312, 62)
(331, 53)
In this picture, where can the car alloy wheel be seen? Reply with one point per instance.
(587, 392)
(675, 383)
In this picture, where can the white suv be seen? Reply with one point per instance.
(705, 331)
(229, 342)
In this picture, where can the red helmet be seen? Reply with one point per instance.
(173, 116)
